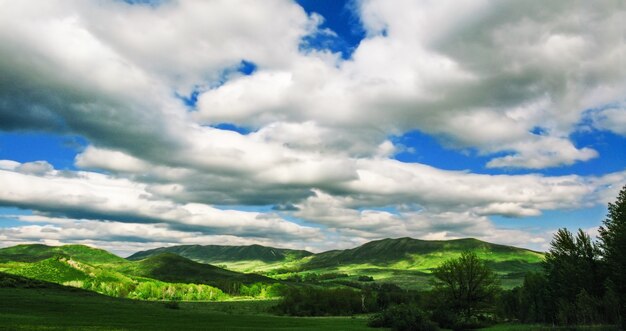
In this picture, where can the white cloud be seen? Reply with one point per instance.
(509, 79)
(100, 197)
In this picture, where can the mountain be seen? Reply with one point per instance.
(249, 259)
(160, 277)
(405, 261)
(409, 253)
(220, 254)
(169, 267)
(38, 252)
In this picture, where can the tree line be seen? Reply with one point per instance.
(583, 282)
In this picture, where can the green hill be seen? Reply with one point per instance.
(173, 268)
(405, 261)
(220, 254)
(408, 262)
(160, 277)
(409, 253)
(38, 252)
(251, 259)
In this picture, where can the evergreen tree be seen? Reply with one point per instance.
(573, 271)
(613, 243)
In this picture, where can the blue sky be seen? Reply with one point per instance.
(307, 124)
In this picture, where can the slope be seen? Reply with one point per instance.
(409, 253)
(38, 252)
(253, 258)
(409, 262)
(35, 305)
(173, 268)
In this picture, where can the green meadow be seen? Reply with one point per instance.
(34, 305)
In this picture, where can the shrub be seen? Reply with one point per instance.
(402, 317)
(309, 301)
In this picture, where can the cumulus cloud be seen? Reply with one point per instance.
(512, 80)
(99, 197)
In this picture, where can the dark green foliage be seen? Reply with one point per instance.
(466, 285)
(217, 253)
(365, 278)
(311, 301)
(575, 278)
(530, 303)
(381, 296)
(613, 243)
(403, 317)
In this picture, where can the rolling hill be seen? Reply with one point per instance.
(158, 277)
(219, 254)
(405, 261)
(37, 252)
(174, 268)
(409, 253)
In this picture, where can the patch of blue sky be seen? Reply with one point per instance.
(58, 150)
(153, 3)
(244, 67)
(233, 127)
(549, 220)
(611, 158)
(389, 209)
(288, 216)
(340, 18)
(247, 208)
(419, 147)
(7, 216)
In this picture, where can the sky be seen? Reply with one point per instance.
(310, 124)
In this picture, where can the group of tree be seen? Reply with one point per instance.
(584, 281)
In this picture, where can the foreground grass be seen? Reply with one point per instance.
(537, 327)
(73, 309)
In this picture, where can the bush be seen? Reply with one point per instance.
(402, 317)
(309, 301)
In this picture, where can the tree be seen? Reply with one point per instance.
(574, 274)
(613, 244)
(466, 283)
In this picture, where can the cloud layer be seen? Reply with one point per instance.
(512, 81)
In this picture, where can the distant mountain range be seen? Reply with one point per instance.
(406, 262)
(216, 254)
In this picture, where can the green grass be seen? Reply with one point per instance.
(44, 306)
(538, 327)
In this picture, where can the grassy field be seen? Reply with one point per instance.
(59, 308)
(531, 327)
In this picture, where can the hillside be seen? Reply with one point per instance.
(409, 253)
(405, 261)
(173, 268)
(35, 305)
(165, 276)
(220, 254)
(38, 252)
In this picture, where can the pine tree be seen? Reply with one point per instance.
(613, 243)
